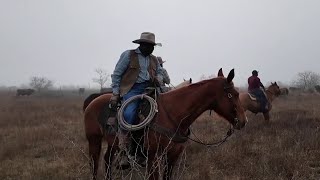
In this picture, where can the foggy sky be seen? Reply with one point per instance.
(65, 40)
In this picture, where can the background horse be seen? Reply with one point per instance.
(284, 91)
(254, 106)
(184, 83)
(177, 110)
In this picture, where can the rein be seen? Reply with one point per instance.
(180, 138)
(216, 144)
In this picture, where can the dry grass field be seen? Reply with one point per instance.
(43, 138)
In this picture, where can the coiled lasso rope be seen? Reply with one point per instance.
(130, 127)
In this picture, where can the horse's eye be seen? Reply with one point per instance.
(229, 95)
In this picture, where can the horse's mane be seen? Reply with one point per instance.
(192, 86)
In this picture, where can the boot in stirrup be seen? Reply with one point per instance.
(124, 151)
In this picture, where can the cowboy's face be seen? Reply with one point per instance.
(146, 48)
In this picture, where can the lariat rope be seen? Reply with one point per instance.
(130, 127)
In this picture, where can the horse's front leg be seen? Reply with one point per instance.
(108, 158)
(153, 167)
(170, 161)
(266, 116)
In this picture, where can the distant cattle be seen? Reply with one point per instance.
(317, 88)
(296, 89)
(106, 90)
(27, 92)
(81, 91)
(284, 91)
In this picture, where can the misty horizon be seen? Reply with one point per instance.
(65, 41)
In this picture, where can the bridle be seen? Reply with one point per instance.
(229, 132)
(229, 95)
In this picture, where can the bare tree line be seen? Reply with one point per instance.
(303, 81)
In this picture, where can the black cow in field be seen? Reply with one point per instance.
(27, 92)
(81, 91)
(317, 88)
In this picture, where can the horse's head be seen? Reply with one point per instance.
(228, 104)
(184, 83)
(274, 89)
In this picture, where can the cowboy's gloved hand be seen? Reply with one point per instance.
(157, 82)
(114, 100)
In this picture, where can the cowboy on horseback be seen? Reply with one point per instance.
(254, 88)
(163, 78)
(135, 71)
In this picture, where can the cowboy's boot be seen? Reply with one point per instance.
(124, 149)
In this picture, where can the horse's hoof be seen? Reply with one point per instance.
(141, 161)
(123, 167)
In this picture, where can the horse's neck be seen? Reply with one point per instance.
(270, 95)
(183, 106)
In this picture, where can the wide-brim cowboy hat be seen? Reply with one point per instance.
(147, 37)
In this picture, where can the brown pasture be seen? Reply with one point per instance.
(43, 138)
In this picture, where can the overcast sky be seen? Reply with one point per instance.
(65, 40)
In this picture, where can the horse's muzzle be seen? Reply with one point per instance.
(238, 124)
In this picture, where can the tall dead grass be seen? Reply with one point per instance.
(43, 138)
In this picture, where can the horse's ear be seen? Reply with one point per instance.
(184, 79)
(230, 76)
(220, 73)
(190, 80)
(271, 83)
(275, 83)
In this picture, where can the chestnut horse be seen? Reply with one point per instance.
(177, 110)
(247, 103)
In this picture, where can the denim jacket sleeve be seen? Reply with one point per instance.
(119, 70)
(158, 71)
(166, 78)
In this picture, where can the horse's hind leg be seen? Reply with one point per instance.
(94, 152)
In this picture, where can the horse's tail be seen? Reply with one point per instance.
(93, 130)
(89, 99)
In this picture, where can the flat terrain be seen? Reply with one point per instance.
(43, 138)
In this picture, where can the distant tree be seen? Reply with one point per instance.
(203, 77)
(307, 80)
(40, 83)
(103, 77)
